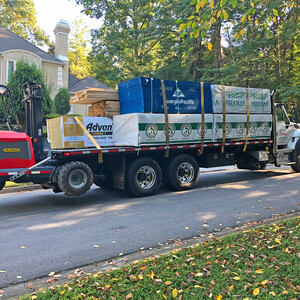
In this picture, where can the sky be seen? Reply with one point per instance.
(49, 12)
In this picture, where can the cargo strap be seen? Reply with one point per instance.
(248, 119)
(202, 118)
(178, 111)
(224, 119)
(163, 89)
(151, 95)
(100, 155)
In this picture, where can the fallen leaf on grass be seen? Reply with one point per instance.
(272, 293)
(255, 292)
(168, 282)
(218, 297)
(128, 296)
(230, 288)
(278, 241)
(260, 271)
(175, 293)
(236, 278)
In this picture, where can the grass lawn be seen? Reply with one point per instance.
(262, 263)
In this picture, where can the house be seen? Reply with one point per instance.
(56, 68)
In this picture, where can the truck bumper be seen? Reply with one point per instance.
(41, 174)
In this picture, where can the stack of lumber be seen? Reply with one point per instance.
(105, 102)
(104, 108)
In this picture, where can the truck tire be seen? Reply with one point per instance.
(182, 172)
(2, 184)
(75, 178)
(143, 177)
(296, 157)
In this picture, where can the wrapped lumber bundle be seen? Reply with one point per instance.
(105, 102)
(236, 100)
(144, 95)
(65, 133)
(141, 129)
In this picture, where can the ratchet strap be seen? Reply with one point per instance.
(248, 119)
(163, 89)
(202, 118)
(100, 155)
(224, 118)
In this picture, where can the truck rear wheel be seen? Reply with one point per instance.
(143, 177)
(296, 166)
(182, 172)
(2, 184)
(75, 178)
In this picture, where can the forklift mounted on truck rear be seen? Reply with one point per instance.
(140, 170)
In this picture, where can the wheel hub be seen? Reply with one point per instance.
(77, 179)
(146, 177)
(185, 173)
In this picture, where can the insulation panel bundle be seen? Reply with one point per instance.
(65, 133)
(141, 129)
(260, 127)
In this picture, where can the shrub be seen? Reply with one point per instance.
(61, 101)
(27, 73)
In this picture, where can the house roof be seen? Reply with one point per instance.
(11, 41)
(85, 83)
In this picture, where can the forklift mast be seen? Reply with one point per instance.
(6, 96)
(33, 112)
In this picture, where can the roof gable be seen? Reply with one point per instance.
(11, 41)
(85, 83)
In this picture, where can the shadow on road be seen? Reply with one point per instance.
(44, 200)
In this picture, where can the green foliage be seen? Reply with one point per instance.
(62, 101)
(78, 50)
(137, 37)
(261, 262)
(19, 16)
(52, 116)
(28, 73)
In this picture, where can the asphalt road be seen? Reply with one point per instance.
(42, 232)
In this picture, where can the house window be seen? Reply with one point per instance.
(59, 78)
(11, 67)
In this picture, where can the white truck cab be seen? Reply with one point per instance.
(287, 137)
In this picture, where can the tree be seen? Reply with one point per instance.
(78, 50)
(137, 38)
(28, 73)
(19, 16)
(62, 101)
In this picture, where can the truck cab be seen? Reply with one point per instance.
(287, 139)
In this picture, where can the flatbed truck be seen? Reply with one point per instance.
(25, 157)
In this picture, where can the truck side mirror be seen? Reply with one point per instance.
(294, 113)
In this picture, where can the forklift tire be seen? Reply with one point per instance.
(143, 177)
(182, 172)
(2, 184)
(75, 178)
